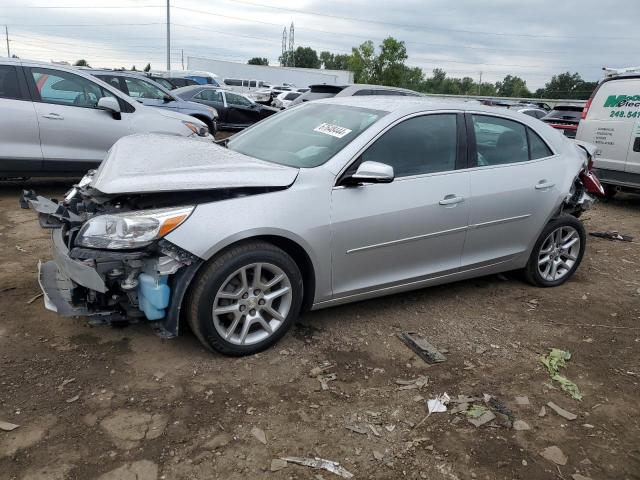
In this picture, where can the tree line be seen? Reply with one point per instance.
(386, 66)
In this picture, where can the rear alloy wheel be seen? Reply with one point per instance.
(245, 299)
(557, 253)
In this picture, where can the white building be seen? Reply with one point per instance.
(301, 77)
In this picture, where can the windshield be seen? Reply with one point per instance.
(307, 136)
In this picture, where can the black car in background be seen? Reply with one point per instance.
(235, 111)
(564, 118)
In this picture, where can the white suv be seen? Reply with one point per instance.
(58, 121)
(611, 121)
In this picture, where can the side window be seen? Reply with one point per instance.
(537, 147)
(499, 141)
(141, 89)
(420, 145)
(210, 96)
(362, 92)
(234, 99)
(111, 80)
(388, 92)
(64, 88)
(252, 83)
(9, 87)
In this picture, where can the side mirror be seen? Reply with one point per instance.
(373, 172)
(112, 105)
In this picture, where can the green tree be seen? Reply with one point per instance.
(82, 63)
(258, 61)
(334, 62)
(389, 64)
(133, 69)
(302, 57)
(512, 86)
(567, 85)
(148, 67)
(363, 63)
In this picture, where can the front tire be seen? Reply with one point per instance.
(245, 299)
(557, 253)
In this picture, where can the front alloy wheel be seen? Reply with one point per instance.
(245, 299)
(252, 303)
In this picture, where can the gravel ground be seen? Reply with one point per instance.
(97, 402)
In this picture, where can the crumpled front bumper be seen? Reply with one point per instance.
(58, 278)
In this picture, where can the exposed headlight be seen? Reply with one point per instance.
(200, 130)
(130, 229)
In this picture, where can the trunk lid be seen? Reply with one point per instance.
(163, 163)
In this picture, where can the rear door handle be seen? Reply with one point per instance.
(53, 116)
(451, 199)
(543, 185)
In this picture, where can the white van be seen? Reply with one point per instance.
(611, 121)
(243, 84)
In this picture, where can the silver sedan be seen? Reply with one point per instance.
(330, 202)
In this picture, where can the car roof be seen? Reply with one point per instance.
(408, 105)
(356, 87)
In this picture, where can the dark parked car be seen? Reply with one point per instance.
(172, 83)
(235, 111)
(565, 118)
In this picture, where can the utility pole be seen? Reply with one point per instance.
(6, 32)
(480, 84)
(168, 36)
(182, 58)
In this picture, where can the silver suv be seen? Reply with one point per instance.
(57, 121)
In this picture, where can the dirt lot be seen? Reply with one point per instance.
(97, 402)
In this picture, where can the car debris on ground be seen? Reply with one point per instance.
(613, 235)
(561, 411)
(7, 426)
(422, 347)
(555, 455)
(328, 465)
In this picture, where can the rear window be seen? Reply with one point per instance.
(233, 82)
(305, 137)
(9, 87)
(309, 96)
(564, 114)
(334, 89)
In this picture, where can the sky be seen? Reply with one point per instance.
(533, 39)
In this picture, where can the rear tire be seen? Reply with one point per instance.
(245, 299)
(557, 253)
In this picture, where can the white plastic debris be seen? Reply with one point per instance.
(328, 465)
(438, 404)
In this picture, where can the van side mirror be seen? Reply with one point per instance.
(372, 172)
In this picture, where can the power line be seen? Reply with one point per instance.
(427, 27)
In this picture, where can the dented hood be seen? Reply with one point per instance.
(161, 163)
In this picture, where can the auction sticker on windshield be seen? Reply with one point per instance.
(333, 130)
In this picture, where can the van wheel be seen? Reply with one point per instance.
(245, 299)
(610, 191)
(557, 253)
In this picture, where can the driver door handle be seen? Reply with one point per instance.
(451, 199)
(53, 116)
(543, 185)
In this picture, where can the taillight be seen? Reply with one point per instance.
(585, 110)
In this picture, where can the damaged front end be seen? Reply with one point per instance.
(111, 262)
